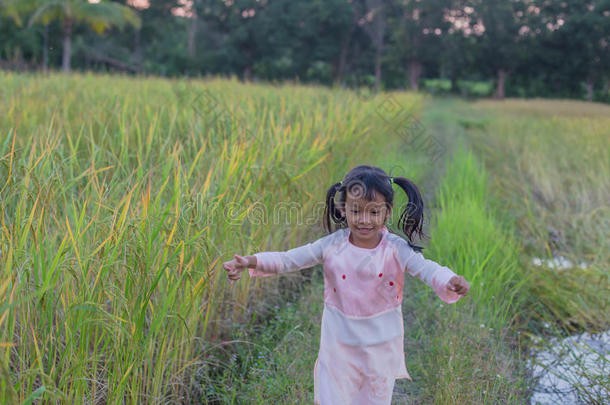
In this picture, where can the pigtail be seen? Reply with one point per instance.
(412, 217)
(330, 210)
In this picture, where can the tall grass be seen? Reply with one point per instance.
(471, 235)
(551, 162)
(120, 197)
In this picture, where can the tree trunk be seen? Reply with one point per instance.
(500, 86)
(377, 69)
(341, 62)
(67, 28)
(454, 85)
(137, 52)
(376, 31)
(248, 73)
(45, 49)
(414, 73)
(589, 85)
(192, 32)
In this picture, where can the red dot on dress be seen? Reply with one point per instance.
(344, 277)
(391, 283)
(380, 274)
(334, 289)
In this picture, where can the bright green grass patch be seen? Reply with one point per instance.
(470, 235)
(466, 88)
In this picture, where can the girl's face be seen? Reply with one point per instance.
(365, 218)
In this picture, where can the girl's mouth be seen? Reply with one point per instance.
(364, 230)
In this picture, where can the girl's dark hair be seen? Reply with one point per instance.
(367, 180)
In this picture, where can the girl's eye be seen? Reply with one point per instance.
(375, 212)
(355, 212)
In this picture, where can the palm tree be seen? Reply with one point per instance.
(98, 14)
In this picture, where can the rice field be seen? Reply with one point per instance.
(121, 197)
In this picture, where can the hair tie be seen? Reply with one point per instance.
(340, 183)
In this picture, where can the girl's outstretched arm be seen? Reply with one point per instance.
(264, 264)
(446, 284)
(441, 278)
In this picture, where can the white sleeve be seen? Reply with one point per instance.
(430, 272)
(272, 263)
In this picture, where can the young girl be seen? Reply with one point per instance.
(361, 341)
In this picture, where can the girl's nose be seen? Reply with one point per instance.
(364, 221)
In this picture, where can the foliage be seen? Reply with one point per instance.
(540, 48)
(120, 200)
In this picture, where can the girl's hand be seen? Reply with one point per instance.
(235, 266)
(459, 285)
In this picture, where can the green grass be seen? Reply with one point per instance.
(550, 161)
(468, 352)
(466, 88)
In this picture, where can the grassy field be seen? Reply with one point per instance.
(121, 197)
(551, 162)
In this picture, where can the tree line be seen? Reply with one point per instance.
(544, 48)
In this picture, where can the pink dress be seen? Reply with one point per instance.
(362, 334)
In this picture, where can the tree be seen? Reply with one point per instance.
(500, 44)
(578, 31)
(374, 22)
(99, 16)
(418, 32)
